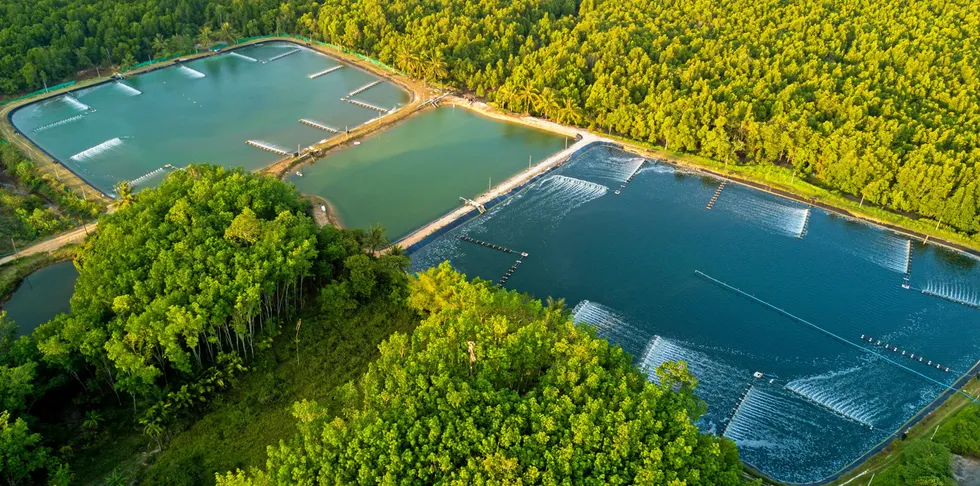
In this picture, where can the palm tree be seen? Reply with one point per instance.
(569, 112)
(159, 46)
(92, 421)
(227, 33)
(526, 95)
(547, 103)
(124, 193)
(436, 67)
(409, 61)
(204, 38)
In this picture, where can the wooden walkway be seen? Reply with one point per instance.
(503, 188)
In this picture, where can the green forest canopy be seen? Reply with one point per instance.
(495, 388)
(879, 100)
(178, 290)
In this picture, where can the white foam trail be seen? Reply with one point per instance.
(78, 105)
(609, 324)
(97, 150)
(768, 420)
(131, 91)
(573, 188)
(885, 250)
(149, 175)
(616, 169)
(954, 292)
(718, 382)
(772, 215)
(243, 56)
(827, 392)
(191, 73)
(61, 122)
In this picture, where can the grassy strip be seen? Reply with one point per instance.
(785, 179)
(239, 424)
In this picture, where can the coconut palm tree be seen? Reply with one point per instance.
(547, 103)
(526, 95)
(227, 33)
(205, 37)
(569, 112)
(124, 193)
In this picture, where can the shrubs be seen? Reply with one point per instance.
(961, 434)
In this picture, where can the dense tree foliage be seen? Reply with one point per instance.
(46, 41)
(33, 204)
(496, 388)
(877, 100)
(180, 288)
(961, 434)
(203, 264)
(922, 463)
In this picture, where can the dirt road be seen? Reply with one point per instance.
(74, 236)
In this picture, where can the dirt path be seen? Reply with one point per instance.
(73, 236)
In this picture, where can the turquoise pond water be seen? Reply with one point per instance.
(413, 172)
(203, 111)
(41, 296)
(628, 263)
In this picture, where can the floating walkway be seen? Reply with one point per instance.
(510, 271)
(738, 405)
(365, 105)
(907, 280)
(280, 56)
(894, 349)
(908, 258)
(513, 268)
(325, 72)
(319, 125)
(363, 88)
(243, 56)
(631, 176)
(490, 245)
(714, 199)
(806, 224)
(62, 122)
(265, 146)
(503, 189)
(831, 334)
(143, 178)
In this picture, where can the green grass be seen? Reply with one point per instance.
(239, 424)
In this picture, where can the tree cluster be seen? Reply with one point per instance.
(178, 289)
(494, 387)
(34, 205)
(874, 100)
(43, 42)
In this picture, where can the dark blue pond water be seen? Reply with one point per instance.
(41, 296)
(628, 264)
